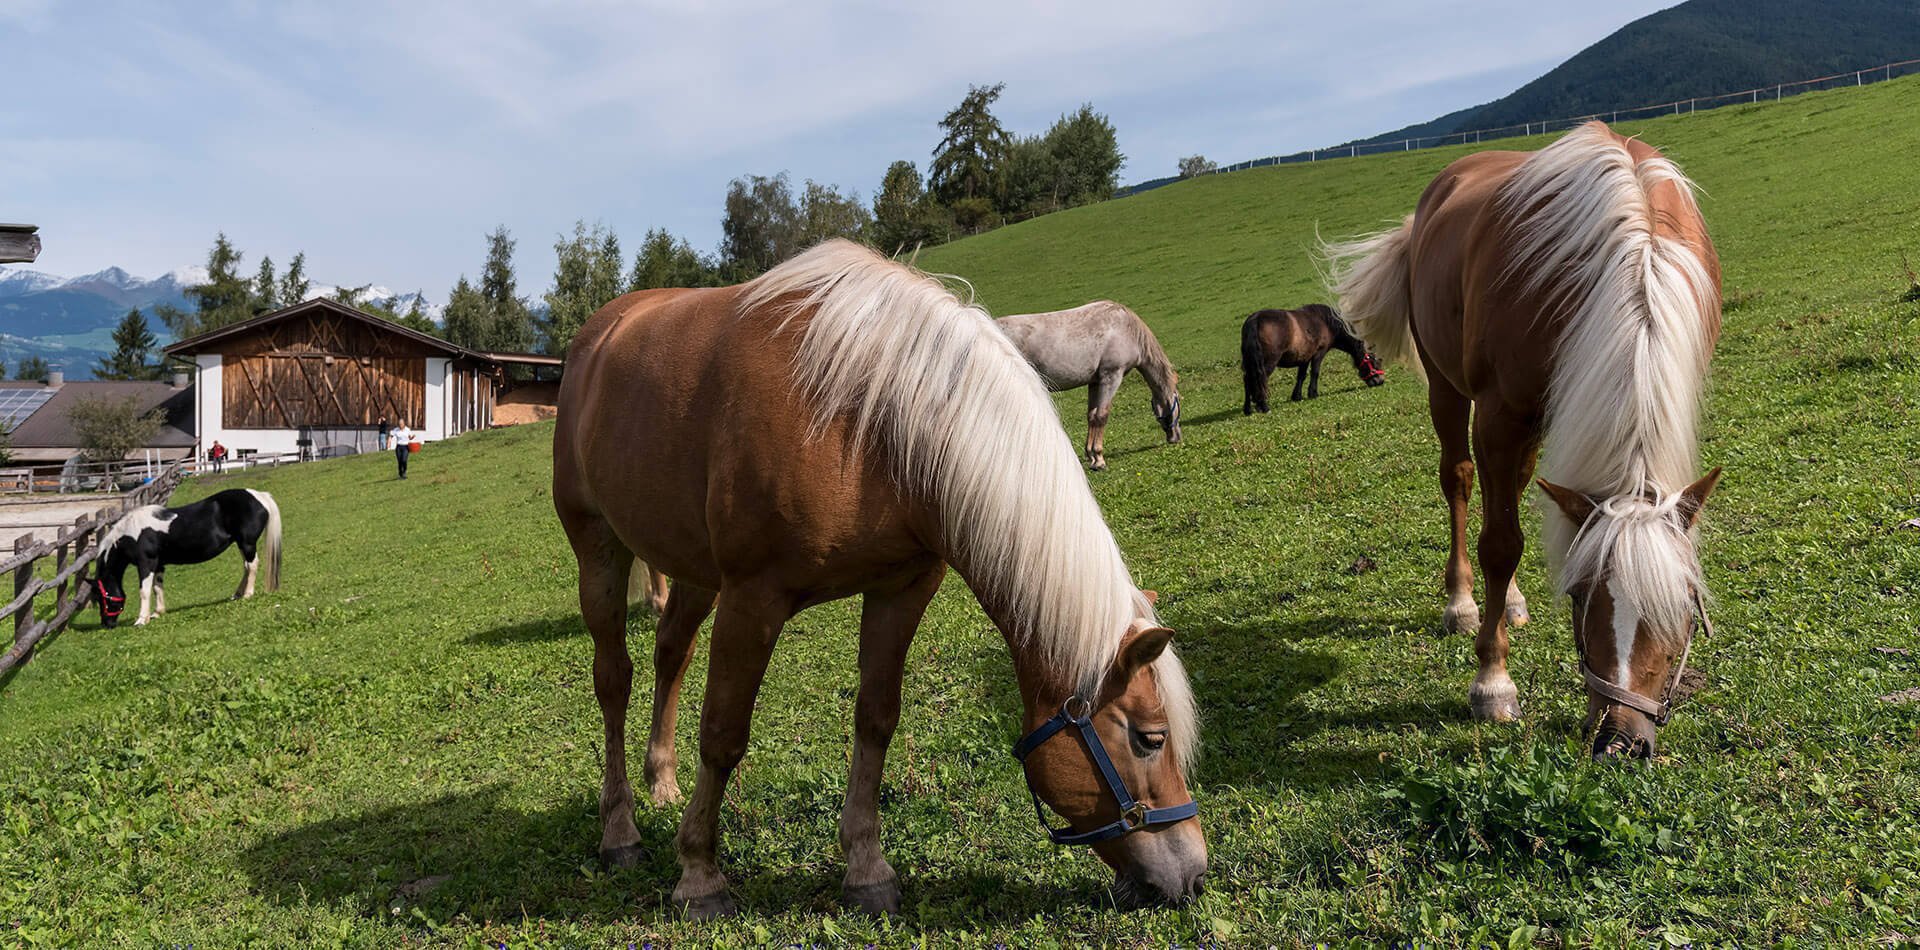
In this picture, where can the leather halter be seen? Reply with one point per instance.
(1369, 369)
(1134, 815)
(118, 604)
(1660, 712)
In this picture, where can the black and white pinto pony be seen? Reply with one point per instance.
(151, 537)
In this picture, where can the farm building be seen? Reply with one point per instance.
(319, 376)
(34, 414)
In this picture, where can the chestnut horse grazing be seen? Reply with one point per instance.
(842, 425)
(1270, 339)
(1094, 346)
(1570, 295)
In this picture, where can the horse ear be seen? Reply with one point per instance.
(1575, 505)
(1694, 497)
(1153, 596)
(1142, 645)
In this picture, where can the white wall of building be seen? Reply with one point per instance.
(210, 426)
(436, 398)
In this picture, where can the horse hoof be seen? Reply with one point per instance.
(710, 907)
(622, 858)
(1099, 465)
(1517, 616)
(1461, 619)
(876, 899)
(1498, 702)
(666, 793)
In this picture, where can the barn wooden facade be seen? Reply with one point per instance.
(321, 375)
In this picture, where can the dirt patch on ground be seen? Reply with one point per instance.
(527, 402)
(521, 415)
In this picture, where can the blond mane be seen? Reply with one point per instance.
(967, 422)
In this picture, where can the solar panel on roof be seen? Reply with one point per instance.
(17, 404)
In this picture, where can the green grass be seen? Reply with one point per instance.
(416, 702)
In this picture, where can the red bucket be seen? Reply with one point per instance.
(413, 446)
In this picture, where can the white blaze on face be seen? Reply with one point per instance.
(1626, 629)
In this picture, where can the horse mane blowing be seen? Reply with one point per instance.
(963, 417)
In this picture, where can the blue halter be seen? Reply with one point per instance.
(1134, 815)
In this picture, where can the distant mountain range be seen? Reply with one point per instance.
(1697, 49)
(69, 321)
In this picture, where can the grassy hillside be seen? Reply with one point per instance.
(1701, 48)
(402, 745)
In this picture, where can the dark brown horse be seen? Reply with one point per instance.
(1273, 338)
(1569, 295)
(842, 425)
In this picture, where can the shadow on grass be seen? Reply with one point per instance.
(540, 630)
(1263, 698)
(468, 855)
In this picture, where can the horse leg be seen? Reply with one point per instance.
(1504, 444)
(1313, 388)
(250, 556)
(657, 591)
(1099, 406)
(673, 644)
(1517, 615)
(1299, 380)
(146, 597)
(887, 624)
(744, 630)
(1450, 412)
(604, 565)
(159, 591)
(648, 585)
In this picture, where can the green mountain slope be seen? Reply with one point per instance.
(401, 746)
(1701, 48)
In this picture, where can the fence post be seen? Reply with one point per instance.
(22, 576)
(60, 564)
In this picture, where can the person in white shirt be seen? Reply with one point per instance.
(401, 437)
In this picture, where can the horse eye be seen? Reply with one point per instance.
(1147, 743)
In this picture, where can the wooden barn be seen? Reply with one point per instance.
(319, 376)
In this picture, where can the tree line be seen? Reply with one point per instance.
(980, 176)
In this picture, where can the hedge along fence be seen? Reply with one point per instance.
(73, 550)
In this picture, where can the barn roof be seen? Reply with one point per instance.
(47, 426)
(208, 342)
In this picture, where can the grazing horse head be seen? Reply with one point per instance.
(112, 600)
(1368, 366)
(1119, 775)
(1634, 580)
(107, 590)
(1365, 363)
(1166, 409)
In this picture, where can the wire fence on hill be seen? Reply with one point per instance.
(1773, 93)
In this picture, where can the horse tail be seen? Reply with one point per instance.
(1252, 371)
(1369, 276)
(269, 543)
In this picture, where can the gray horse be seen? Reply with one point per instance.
(1094, 346)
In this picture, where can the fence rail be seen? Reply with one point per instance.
(74, 550)
(1773, 93)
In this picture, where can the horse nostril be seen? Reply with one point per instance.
(1197, 884)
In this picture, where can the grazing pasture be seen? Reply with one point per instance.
(402, 744)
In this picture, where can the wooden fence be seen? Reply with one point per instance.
(73, 551)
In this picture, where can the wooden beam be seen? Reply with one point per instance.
(19, 244)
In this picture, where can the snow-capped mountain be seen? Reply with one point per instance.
(68, 320)
(127, 290)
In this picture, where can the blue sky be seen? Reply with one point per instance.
(385, 139)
